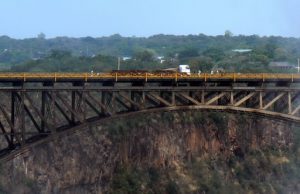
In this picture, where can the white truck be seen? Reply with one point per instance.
(184, 69)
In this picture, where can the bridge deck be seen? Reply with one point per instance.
(145, 76)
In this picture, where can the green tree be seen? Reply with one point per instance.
(188, 52)
(41, 36)
(204, 64)
(270, 50)
(228, 33)
(59, 54)
(280, 54)
(144, 56)
(215, 53)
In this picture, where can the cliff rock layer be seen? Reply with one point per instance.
(170, 152)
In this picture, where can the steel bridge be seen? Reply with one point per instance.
(38, 106)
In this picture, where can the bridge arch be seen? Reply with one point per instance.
(99, 120)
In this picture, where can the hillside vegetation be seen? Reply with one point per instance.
(100, 54)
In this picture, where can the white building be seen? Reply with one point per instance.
(242, 50)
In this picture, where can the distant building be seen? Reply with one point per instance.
(242, 50)
(161, 59)
(281, 65)
(126, 58)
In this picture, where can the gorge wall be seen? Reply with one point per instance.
(167, 152)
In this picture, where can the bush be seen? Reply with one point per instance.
(172, 188)
(126, 180)
(220, 119)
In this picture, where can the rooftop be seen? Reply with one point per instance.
(242, 50)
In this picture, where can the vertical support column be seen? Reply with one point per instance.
(84, 105)
(192, 94)
(73, 101)
(113, 102)
(107, 98)
(12, 115)
(43, 109)
(173, 98)
(289, 103)
(132, 96)
(22, 119)
(162, 95)
(260, 100)
(80, 107)
(52, 109)
(143, 103)
(139, 98)
(231, 98)
(103, 101)
(78, 103)
(18, 116)
(202, 97)
(132, 107)
(48, 109)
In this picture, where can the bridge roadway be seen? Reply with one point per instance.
(148, 77)
(37, 106)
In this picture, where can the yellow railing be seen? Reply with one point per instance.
(147, 76)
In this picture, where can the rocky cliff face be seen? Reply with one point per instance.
(178, 152)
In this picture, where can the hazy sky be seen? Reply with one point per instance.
(79, 18)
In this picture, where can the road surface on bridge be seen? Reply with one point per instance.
(148, 77)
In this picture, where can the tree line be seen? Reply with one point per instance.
(202, 52)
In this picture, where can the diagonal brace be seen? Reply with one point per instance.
(215, 98)
(60, 109)
(49, 126)
(296, 110)
(129, 100)
(274, 100)
(69, 107)
(6, 116)
(92, 106)
(158, 98)
(99, 104)
(123, 103)
(189, 98)
(244, 99)
(9, 141)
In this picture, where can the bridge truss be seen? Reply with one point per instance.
(30, 112)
